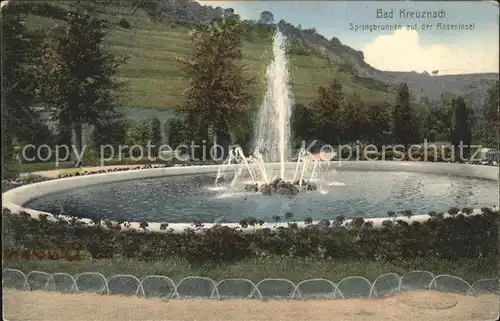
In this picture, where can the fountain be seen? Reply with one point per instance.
(272, 138)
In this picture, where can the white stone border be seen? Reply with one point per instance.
(15, 198)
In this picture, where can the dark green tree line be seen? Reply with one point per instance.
(461, 132)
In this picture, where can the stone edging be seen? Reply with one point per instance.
(15, 198)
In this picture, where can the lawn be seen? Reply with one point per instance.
(51, 165)
(256, 269)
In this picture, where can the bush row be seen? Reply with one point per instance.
(459, 236)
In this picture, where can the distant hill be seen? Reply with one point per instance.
(159, 32)
(344, 58)
(472, 85)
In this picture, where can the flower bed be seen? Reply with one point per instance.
(450, 238)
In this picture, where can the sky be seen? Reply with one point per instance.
(429, 47)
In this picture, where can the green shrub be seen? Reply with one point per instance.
(124, 23)
(175, 132)
(10, 170)
(113, 134)
(463, 236)
(155, 135)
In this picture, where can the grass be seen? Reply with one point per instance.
(69, 167)
(151, 72)
(70, 171)
(45, 166)
(155, 81)
(260, 268)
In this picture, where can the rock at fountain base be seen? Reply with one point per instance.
(252, 187)
(266, 189)
(280, 187)
(311, 187)
(307, 185)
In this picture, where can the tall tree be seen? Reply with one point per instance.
(325, 112)
(216, 97)
(404, 126)
(353, 120)
(266, 17)
(490, 112)
(379, 125)
(113, 134)
(302, 124)
(461, 132)
(175, 132)
(17, 81)
(76, 76)
(155, 135)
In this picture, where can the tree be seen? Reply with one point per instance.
(404, 126)
(379, 124)
(325, 112)
(266, 17)
(113, 134)
(216, 97)
(76, 76)
(17, 83)
(302, 124)
(155, 135)
(139, 134)
(175, 132)
(353, 120)
(461, 133)
(490, 112)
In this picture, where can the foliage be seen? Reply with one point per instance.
(379, 124)
(435, 120)
(266, 17)
(113, 133)
(404, 125)
(491, 115)
(325, 111)
(353, 120)
(175, 132)
(18, 48)
(75, 74)
(459, 237)
(216, 97)
(295, 47)
(460, 126)
(139, 134)
(155, 135)
(302, 124)
(124, 23)
(258, 33)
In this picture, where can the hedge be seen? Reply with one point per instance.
(450, 238)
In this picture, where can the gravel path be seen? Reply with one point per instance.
(414, 306)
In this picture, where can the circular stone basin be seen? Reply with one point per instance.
(188, 198)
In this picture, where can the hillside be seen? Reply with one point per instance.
(158, 35)
(314, 61)
(155, 82)
(338, 60)
(474, 86)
